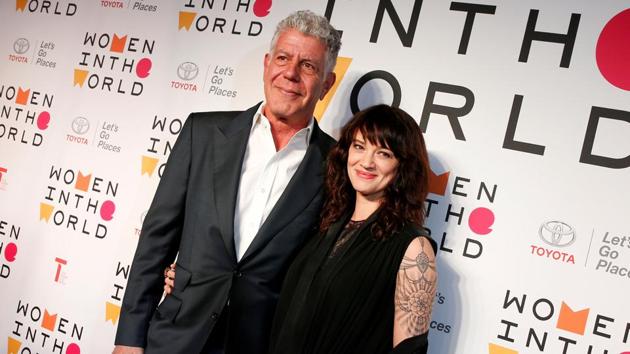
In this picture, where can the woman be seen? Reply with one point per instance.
(366, 283)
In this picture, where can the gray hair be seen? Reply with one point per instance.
(311, 24)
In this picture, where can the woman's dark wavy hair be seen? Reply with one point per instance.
(403, 201)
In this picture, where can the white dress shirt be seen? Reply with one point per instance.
(264, 176)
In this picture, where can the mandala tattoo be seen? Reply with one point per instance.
(415, 290)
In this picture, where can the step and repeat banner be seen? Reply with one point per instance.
(525, 107)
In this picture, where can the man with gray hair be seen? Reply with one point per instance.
(240, 194)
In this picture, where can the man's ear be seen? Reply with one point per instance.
(328, 83)
(266, 59)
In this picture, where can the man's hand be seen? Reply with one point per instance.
(122, 349)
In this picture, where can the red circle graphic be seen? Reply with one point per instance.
(613, 51)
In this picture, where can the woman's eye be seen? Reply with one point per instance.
(386, 154)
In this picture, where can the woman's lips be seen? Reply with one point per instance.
(365, 175)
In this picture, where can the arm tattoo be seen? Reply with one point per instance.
(415, 289)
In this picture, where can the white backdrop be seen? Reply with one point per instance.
(525, 106)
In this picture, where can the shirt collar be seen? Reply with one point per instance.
(304, 134)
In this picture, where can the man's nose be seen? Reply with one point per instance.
(291, 71)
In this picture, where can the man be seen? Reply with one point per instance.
(240, 194)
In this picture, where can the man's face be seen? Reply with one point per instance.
(295, 76)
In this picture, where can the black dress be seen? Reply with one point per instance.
(343, 304)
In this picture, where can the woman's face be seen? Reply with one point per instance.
(371, 168)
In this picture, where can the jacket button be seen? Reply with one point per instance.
(237, 273)
(214, 316)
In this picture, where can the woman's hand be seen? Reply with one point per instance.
(169, 279)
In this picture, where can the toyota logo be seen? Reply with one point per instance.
(80, 125)
(187, 71)
(21, 45)
(557, 233)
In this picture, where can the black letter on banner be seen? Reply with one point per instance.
(587, 148)
(406, 37)
(74, 8)
(509, 300)
(442, 247)
(566, 341)
(506, 335)
(567, 39)
(468, 254)
(472, 10)
(328, 13)
(509, 142)
(376, 74)
(453, 113)
(599, 324)
(241, 3)
(535, 309)
(540, 344)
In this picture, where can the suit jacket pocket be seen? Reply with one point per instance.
(182, 278)
(169, 308)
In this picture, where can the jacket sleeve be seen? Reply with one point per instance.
(158, 244)
(413, 345)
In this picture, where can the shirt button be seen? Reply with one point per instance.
(214, 316)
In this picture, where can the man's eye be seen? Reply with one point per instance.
(308, 67)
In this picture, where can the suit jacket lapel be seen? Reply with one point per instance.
(230, 144)
(304, 184)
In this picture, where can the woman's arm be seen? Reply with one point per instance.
(416, 284)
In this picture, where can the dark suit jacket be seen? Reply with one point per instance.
(193, 213)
